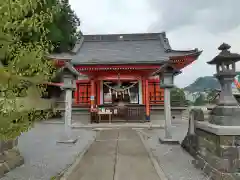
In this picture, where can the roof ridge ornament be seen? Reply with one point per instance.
(224, 46)
(165, 42)
(78, 45)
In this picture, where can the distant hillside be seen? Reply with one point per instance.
(203, 83)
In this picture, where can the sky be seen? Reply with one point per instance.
(189, 24)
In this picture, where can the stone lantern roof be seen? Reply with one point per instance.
(167, 68)
(225, 55)
(69, 69)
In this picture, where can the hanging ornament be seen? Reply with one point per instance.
(120, 88)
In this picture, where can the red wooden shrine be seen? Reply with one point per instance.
(125, 58)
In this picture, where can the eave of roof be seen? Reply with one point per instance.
(187, 54)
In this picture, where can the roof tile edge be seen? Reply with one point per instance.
(165, 42)
(78, 45)
(138, 37)
(122, 37)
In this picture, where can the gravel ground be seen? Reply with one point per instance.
(44, 158)
(175, 162)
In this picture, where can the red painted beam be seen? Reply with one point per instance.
(122, 77)
(117, 66)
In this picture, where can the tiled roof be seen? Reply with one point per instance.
(148, 48)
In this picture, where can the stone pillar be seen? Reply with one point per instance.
(68, 87)
(167, 73)
(68, 108)
(167, 113)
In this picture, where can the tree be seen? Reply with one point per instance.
(178, 97)
(64, 28)
(212, 96)
(24, 46)
(200, 100)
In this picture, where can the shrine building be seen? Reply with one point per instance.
(120, 68)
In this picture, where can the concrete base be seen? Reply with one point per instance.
(147, 118)
(217, 129)
(171, 141)
(67, 139)
(218, 150)
(190, 143)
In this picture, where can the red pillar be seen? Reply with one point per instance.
(79, 92)
(147, 103)
(92, 98)
(76, 94)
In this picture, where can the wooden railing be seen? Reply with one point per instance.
(128, 113)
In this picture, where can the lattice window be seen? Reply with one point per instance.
(156, 94)
(84, 93)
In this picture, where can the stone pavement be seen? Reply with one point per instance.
(116, 154)
(44, 158)
(173, 160)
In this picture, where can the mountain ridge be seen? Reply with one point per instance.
(201, 84)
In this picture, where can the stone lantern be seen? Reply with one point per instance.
(166, 75)
(227, 111)
(69, 75)
(217, 141)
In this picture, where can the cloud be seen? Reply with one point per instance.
(189, 24)
(107, 16)
(214, 15)
(202, 24)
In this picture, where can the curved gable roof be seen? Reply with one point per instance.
(144, 48)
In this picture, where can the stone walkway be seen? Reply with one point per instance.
(44, 158)
(115, 155)
(174, 161)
